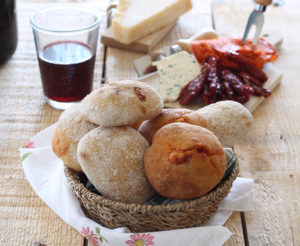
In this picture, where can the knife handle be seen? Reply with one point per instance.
(112, 4)
(207, 33)
(263, 2)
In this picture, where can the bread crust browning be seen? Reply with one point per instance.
(184, 161)
(71, 126)
(167, 116)
(136, 125)
(228, 120)
(122, 103)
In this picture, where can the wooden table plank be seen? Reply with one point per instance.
(119, 67)
(25, 219)
(234, 224)
(270, 153)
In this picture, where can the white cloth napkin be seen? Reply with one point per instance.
(45, 174)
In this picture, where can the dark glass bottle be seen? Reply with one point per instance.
(8, 29)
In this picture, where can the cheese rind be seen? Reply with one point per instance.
(174, 73)
(135, 19)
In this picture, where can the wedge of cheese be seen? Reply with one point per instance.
(174, 73)
(135, 19)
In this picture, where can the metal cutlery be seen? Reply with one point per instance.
(256, 18)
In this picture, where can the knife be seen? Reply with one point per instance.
(111, 9)
(256, 18)
(143, 65)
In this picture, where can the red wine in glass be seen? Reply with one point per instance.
(67, 70)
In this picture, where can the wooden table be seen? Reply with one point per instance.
(269, 154)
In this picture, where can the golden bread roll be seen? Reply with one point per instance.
(122, 103)
(113, 160)
(71, 126)
(167, 116)
(228, 120)
(184, 161)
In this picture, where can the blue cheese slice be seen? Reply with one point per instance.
(174, 73)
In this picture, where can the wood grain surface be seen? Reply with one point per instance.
(269, 153)
(188, 25)
(24, 218)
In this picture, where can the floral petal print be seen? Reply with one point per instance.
(140, 239)
(93, 238)
(133, 237)
(29, 144)
(149, 238)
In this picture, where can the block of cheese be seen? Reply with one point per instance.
(143, 45)
(135, 19)
(175, 72)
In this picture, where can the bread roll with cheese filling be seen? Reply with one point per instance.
(228, 120)
(149, 127)
(184, 161)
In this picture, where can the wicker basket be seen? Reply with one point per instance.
(143, 218)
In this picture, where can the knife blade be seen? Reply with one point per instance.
(256, 18)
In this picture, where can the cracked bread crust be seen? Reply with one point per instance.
(184, 161)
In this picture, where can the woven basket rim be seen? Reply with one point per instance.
(75, 184)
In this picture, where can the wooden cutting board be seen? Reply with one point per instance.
(144, 45)
(274, 78)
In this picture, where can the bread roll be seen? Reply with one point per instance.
(167, 116)
(112, 159)
(228, 120)
(136, 125)
(184, 161)
(122, 103)
(71, 126)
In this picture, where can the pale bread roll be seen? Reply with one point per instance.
(71, 126)
(112, 159)
(228, 120)
(185, 161)
(122, 103)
